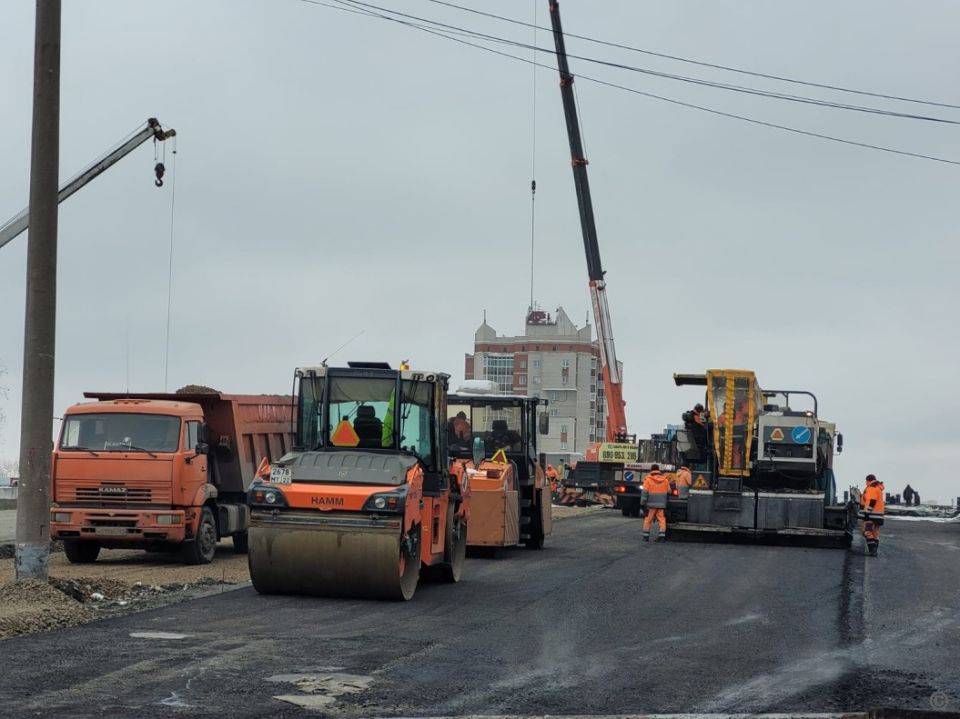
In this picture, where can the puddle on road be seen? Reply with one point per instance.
(320, 689)
(159, 635)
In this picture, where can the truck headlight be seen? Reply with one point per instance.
(61, 517)
(168, 519)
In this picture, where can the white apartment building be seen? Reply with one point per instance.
(555, 360)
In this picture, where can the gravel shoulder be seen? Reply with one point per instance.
(124, 581)
(120, 582)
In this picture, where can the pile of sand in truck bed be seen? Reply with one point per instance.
(197, 389)
(31, 605)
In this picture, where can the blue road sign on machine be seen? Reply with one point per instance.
(628, 475)
(801, 435)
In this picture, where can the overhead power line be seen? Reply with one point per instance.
(466, 32)
(355, 6)
(701, 63)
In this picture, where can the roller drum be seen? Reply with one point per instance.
(334, 561)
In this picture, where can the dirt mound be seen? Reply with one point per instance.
(31, 606)
(197, 389)
(85, 589)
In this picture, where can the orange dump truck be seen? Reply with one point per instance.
(162, 472)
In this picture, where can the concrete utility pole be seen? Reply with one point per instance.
(36, 424)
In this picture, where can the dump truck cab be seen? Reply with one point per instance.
(510, 506)
(161, 470)
(366, 499)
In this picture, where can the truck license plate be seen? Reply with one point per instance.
(281, 475)
(112, 531)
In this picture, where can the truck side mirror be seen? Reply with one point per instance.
(202, 448)
(839, 442)
(544, 423)
(477, 451)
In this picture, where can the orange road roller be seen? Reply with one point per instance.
(366, 502)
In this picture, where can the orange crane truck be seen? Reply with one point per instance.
(162, 471)
(368, 499)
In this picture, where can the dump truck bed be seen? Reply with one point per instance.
(242, 429)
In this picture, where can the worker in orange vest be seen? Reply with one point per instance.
(872, 506)
(683, 482)
(552, 477)
(653, 496)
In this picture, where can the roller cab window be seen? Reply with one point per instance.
(498, 425)
(365, 413)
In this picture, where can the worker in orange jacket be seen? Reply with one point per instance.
(872, 506)
(683, 481)
(653, 496)
(552, 477)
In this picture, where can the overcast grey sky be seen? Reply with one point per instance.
(338, 174)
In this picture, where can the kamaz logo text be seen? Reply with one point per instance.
(327, 501)
(113, 489)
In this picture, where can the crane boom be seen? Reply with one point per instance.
(19, 222)
(616, 414)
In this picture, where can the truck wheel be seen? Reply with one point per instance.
(241, 542)
(81, 552)
(201, 549)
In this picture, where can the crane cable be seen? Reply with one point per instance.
(533, 160)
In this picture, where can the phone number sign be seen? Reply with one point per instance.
(617, 452)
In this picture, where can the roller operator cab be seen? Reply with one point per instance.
(366, 502)
(510, 495)
(761, 463)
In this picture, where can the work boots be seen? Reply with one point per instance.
(646, 537)
(661, 538)
(872, 548)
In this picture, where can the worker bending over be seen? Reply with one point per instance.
(552, 477)
(683, 481)
(871, 509)
(653, 496)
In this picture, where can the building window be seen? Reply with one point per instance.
(554, 348)
(565, 363)
(499, 369)
(593, 389)
(553, 413)
(523, 364)
(522, 380)
(593, 405)
(563, 445)
(552, 395)
(563, 434)
(535, 364)
(536, 380)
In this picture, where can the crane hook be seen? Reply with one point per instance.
(159, 170)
